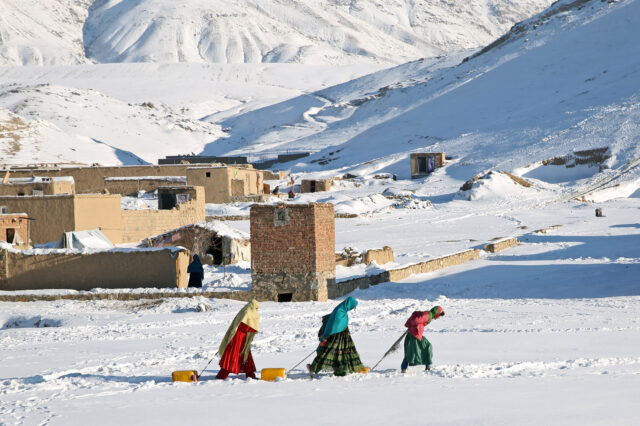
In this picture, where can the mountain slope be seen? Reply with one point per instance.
(48, 123)
(35, 32)
(301, 31)
(234, 31)
(566, 79)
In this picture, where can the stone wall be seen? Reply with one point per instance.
(292, 250)
(345, 287)
(501, 245)
(380, 256)
(159, 268)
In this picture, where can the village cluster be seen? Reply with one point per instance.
(84, 239)
(65, 228)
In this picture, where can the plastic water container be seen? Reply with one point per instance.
(272, 374)
(184, 376)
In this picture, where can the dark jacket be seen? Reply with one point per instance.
(196, 272)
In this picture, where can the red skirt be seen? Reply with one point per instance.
(232, 357)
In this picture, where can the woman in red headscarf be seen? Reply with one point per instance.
(417, 349)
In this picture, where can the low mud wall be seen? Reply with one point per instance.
(380, 256)
(160, 268)
(501, 245)
(342, 288)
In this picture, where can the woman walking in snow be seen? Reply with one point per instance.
(336, 351)
(196, 272)
(235, 349)
(417, 349)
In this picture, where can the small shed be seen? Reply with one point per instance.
(215, 241)
(315, 185)
(14, 229)
(423, 163)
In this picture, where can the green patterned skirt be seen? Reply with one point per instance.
(338, 355)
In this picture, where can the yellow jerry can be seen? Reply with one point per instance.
(184, 376)
(366, 370)
(272, 374)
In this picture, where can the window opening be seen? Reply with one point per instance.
(285, 297)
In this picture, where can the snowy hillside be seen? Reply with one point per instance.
(36, 32)
(566, 79)
(89, 103)
(233, 31)
(82, 123)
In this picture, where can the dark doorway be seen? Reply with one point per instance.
(312, 186)
(11, 234)
(215, 250)
(285, 297)
(166, 201)
(422, 164)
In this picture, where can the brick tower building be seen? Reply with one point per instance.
(292, 251)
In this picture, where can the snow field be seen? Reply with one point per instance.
(529, 333)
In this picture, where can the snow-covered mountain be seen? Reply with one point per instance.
(37, 32)
(564, 79)
(568, 78)
(234, 31)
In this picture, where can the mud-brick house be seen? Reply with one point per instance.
(37, 186)
(215, 242)
(55, 214)
(315, 185)
(423, 163)
(225, 184)
(292, 251)
(14, 229)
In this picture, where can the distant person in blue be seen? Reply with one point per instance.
(336, 351)
(196, 272)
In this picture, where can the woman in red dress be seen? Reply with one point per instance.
(235, 349)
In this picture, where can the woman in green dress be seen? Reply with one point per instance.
(336, 351)
(417, 349)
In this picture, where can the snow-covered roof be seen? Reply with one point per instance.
(220, 228)
(135, 178)
(38, 179)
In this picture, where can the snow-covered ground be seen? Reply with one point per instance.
(546, 332)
